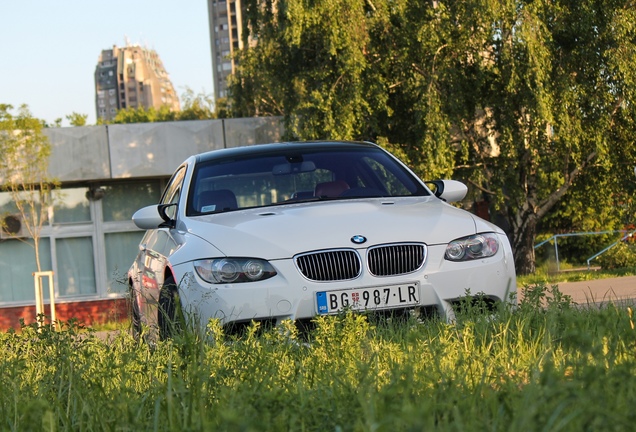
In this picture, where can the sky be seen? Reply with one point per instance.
(49, 48)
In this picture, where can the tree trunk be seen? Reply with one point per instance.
(36, 245)
(524, 231)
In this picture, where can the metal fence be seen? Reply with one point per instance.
(555, 239)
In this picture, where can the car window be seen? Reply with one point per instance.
(389, 181)
(269, 179)
(173, 191)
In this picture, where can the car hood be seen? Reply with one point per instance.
(283, 231)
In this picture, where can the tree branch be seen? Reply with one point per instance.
(487, 191)
(552, 199)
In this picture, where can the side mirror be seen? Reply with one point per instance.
(152, 217)
(167, 221)
(449, 190)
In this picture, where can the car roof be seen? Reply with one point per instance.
(264, 149)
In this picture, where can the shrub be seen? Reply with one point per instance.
(620, 256)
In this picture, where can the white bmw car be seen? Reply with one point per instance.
(297, 230)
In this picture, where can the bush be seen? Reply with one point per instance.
(620, 256)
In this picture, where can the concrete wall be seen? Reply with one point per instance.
(148, 149)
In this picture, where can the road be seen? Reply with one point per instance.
(621, 289)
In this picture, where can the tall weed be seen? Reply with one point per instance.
(545, 365)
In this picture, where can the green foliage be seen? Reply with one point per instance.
(532, 103)
(623, 255)
(76, 119)
(545, 366)
(24, 160)
(195, 107)
(144, 115)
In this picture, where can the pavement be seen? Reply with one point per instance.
(621, 290)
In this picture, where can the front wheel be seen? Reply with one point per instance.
(169, 313)
(135, 316)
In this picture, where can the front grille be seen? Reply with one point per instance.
(396, 259)
(332, 265)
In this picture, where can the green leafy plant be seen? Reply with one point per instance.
(546, 365)
(622, 255)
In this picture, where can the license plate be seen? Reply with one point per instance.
(381, 297)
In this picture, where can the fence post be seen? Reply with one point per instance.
(556, 252)
(39, 296)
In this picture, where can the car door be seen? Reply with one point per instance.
(155, 249)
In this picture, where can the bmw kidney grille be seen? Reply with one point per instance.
(344, 264)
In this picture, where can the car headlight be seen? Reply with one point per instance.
(231, 270)
(476, 246)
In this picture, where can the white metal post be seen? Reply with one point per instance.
(39, 296)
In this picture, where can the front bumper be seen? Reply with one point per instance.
(289, 295)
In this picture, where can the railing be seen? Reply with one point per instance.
(625, 237)
(579, 234)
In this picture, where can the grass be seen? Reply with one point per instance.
(546, 365)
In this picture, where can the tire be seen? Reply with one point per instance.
(169, 314)
(135, 316)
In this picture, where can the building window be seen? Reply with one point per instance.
(122, 200)
(17, 262)
(71, 206)
(75, 266)
(121, 249)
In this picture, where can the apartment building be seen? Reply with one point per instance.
(226, 37)
(131, 77)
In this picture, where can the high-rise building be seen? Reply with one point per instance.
(131, 77)
(226, 37)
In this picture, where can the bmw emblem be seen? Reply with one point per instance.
(358, 239)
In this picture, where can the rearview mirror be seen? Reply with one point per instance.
(294, 168)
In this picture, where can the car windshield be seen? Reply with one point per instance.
(265, 179)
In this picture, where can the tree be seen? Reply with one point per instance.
(199, 106)
(558, 88)
(527, 101)
(144, 115)
(25, 154)
(309, 64)
(196, 106)
(76, 119)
